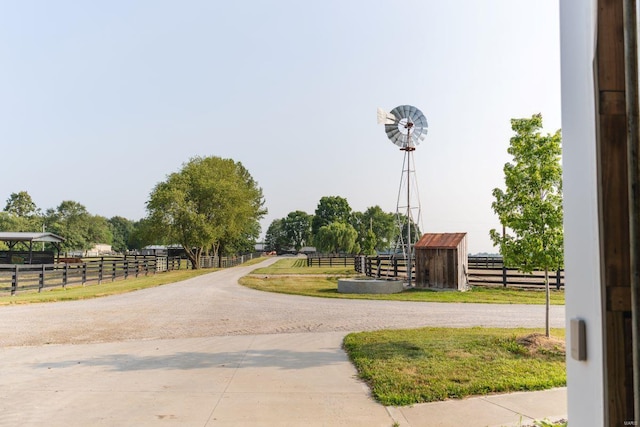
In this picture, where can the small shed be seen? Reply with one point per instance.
(442, 261)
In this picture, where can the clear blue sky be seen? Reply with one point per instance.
(99, 101)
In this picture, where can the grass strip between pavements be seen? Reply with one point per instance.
(404, 367)
(292, 276)
(327, 287)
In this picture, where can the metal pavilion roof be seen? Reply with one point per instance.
(15, 236)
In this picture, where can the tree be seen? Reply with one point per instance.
(382, 224)
(121, 230)
(297, 228)
(275, 238)
(143, 235)
(21, 204)
(330, 209)
(368, 243)
(209, 201)
(337, 237)
(22, 214)
(80, 229)
(530, 209)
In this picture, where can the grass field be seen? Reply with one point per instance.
(106, 288)
(404, 367)
(299, 266)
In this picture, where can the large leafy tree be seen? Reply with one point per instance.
(80, 229)
(21, 214)
(208, 202)
(275, 237)
(21, 204)
(330, 209)
(297, 228)
(530, 208)
(337, 237)
(375, 225)
(143, 235)
(121, 229)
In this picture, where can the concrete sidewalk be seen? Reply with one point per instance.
(248, 380)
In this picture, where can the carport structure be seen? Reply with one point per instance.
(27, 239)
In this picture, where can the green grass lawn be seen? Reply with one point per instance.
(104, 289)
(404, 367)
(287, 276)
(299, 266)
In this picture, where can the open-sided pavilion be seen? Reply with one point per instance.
(27, 239)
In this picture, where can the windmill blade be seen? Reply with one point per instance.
(415, 125)
(386, 118)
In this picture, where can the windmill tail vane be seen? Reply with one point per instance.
(386, 118)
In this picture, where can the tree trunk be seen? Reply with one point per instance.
(194, 257)
(547, 300)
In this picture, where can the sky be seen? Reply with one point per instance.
(100, 101)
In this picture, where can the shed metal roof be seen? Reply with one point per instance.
(15, 236)
(440, 240)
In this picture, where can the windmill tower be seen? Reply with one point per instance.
(406, 126)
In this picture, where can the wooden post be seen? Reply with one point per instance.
(14, 280)
(84, 273)
(41, 281)
(100, 271)
(65, 273)
(504, 276)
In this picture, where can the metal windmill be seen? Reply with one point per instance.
(406, 126)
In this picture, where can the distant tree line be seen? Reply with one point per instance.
(212, 206)
(71, 220)
(335, 228)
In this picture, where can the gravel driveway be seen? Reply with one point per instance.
(215, 305)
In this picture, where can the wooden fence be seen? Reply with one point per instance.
(482, 271)
(331, 260)
(16, 278)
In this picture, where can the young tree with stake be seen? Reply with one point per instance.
(530, 208)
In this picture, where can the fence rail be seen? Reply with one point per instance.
(331, 261)
(16, 278)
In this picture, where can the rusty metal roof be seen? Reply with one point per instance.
(440, 240)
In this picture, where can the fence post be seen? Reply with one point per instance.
(558, 279)
(84, 273)
(65, 275)
(100, 271)
(14, 280)
(113, 271)
(126, 269)
(41, 281)
(504, 276)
